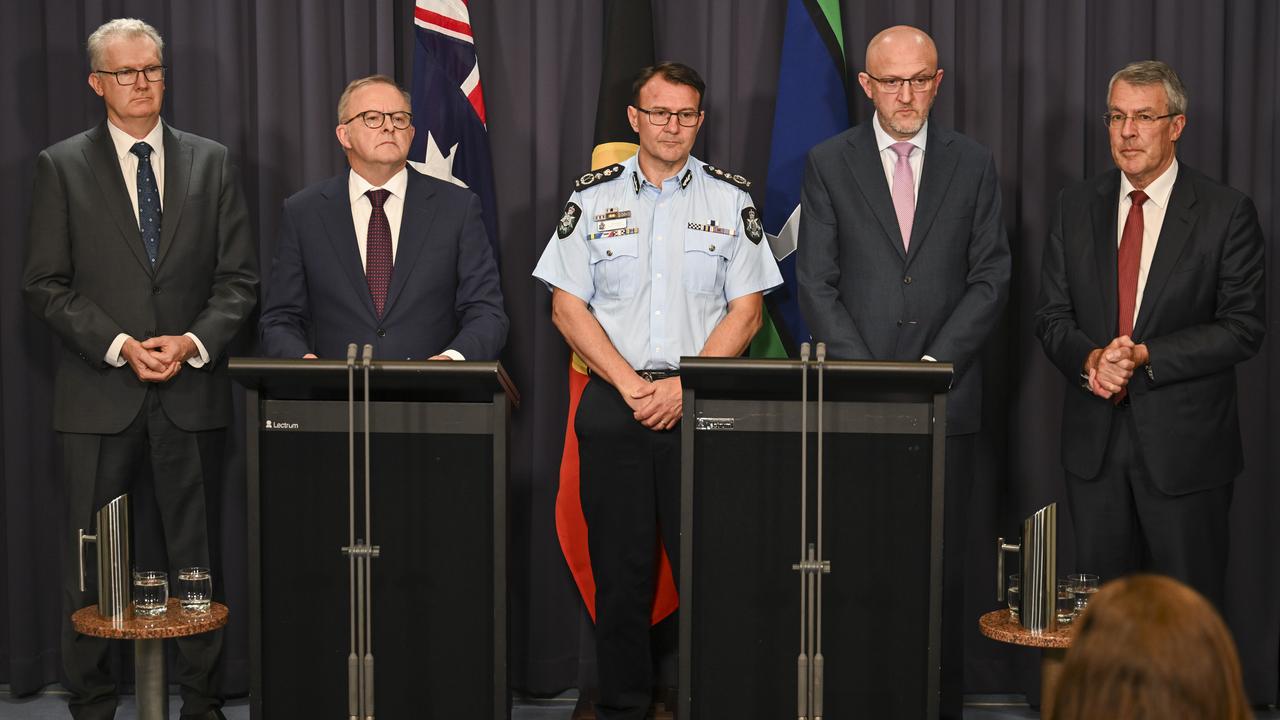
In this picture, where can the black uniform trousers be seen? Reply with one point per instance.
(1124, 523)
(630, 489)
(100, 468)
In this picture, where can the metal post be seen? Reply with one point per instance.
(148, 677)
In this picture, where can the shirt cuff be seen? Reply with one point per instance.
(113, 356)
(453, 354)
(194, 361)
(928, 358)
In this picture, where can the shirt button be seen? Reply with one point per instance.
(155, 289)
(906, 280)
(382, 332)
(657, 312)
(658, 276)
(609, 253)
(711, 248)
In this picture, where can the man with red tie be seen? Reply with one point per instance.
(1151, 293)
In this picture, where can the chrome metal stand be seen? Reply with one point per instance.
(360, 553)
(811, 566)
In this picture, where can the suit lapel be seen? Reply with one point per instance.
(863, 159)
(415, 220)
(100, 154)
(177, 179)
(1179, 219)
(939, 166)
(1103, 213)
(335, 214)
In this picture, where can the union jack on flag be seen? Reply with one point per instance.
(450, 139)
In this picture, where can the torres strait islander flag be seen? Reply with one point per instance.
(628, 46)
(450, 140)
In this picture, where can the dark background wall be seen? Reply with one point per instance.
(263, 76)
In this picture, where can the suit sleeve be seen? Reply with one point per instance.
(1066, 345)
(986, 284)
(482, 322)
(235, 275)
(47, 276)
(818, 271)
(286, 314)
(1235, 334)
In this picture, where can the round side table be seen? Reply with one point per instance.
(999, 625)
(147, 634)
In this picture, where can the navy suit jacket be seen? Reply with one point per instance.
(1202, 313)
(869, 299)
(444, 294)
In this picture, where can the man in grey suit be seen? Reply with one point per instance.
(903, 256)
(141, 260)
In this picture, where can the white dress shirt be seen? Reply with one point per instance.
(889, 157)
(124, 143)
(1153, 211)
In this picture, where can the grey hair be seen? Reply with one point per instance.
(1152, 72)
(120, 28)
(358, 83)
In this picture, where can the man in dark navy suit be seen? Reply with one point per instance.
(382, 254)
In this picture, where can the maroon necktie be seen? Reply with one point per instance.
(1130, 257)
(377, 262)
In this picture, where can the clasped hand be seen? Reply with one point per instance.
(657, 405)
(159, 358)
(1111, 367)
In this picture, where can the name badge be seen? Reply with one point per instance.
(602, 225)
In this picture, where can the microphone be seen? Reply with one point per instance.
(351, 355)
(367, 356)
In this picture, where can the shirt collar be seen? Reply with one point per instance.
(397, 185)
(883, 141)
(124, 142)
(682, 177)
(1158, 190)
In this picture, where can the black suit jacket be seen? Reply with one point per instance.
(87, 275)
(1202, 312)
(444, 294)
(867, 298)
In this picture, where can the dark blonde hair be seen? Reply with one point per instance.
(358, 83)
(1150, 648)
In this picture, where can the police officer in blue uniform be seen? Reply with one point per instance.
(655, 258)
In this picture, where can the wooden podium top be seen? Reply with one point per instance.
(999, 625)
(172, 624)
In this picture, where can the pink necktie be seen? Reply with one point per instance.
(904, 191)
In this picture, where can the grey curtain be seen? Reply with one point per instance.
(263, 76)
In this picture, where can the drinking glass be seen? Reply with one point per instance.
(195, 589)
(1083, 586)
(1013, 593)
(150, 592)
(1066, 603)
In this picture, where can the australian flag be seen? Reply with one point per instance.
(450, 141)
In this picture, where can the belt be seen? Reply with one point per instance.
(651, 375)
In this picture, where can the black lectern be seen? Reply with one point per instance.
(438, 454)
(741, 626)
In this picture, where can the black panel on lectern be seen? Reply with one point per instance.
(747, 592)
(431, 495)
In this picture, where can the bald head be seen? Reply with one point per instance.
(899, 43)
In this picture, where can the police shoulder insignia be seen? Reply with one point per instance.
(729, 177)
(568, 221)
(751, 226)
(595, 177)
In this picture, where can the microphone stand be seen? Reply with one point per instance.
(810, 664)
(359, 554)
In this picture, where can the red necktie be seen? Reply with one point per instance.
(377, 262)
(1130, 257)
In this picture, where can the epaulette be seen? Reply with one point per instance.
(596, 177)
(729, 177)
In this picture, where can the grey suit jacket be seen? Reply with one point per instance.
(444, 294)
(1202, 313)
(869, 299)
(87, 275)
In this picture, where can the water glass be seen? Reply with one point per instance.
(150, 592)
(1066, 603)
(1013, 592)
(1083, 586)
(195, 589)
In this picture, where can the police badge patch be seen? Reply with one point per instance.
(568, 221)
(751, 224)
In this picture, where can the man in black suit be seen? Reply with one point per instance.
(903, 256)
(382, 254)
(1151, 293)
(141, 260)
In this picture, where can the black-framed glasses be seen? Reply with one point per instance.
(129, 76)
(662, 116)
(1142, 120)
(373, 119)
(920, 83)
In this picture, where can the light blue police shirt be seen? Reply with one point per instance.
(657, 266)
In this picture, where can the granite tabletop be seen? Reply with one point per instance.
(999, 625)
(173, 623)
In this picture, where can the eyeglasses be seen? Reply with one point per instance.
(660, 117)
(1142, 120)
(373, 119)
(129, 76)
(893, 85)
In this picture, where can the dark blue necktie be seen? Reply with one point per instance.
(148, 201)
